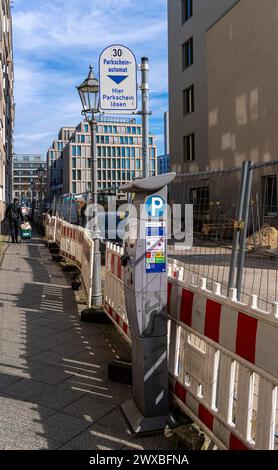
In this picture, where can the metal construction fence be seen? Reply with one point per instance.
(235, 224)
(222, 357)
(222, 353)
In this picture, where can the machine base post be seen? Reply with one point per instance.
(140, 423)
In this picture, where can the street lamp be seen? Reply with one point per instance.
(89, 96)
(32, 188)
(41, 173)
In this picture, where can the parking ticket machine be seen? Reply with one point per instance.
(145, 283)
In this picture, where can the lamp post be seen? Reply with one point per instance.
(32, 187)
(41, 173)
(89, 96)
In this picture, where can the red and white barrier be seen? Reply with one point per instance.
(114, 298)
(87, 266)
(59, 227)
(223, 355)
(223, 358)
(76, 245)
(51, 235)
(228, 382)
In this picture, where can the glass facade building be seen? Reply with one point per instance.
(55, 162)
(25, 171)
(119, 156)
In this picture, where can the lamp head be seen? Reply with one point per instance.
(89, 93)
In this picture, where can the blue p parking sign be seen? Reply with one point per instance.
(156, 206)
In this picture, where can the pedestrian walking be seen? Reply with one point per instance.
(15, 218)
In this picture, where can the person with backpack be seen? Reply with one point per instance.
(15, 218)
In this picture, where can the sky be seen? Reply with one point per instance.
(55, 41)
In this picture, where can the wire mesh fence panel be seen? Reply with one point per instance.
(218, 222)
(260, 276)
(215, 198)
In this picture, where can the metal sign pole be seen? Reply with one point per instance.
(96, 286)
(145, 116)
(245, 218)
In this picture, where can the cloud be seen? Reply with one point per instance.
(53, 46)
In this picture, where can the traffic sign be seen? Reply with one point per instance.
(156, 206)
(118, 80)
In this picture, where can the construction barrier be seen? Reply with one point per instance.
(222, 354)
(46, 220)
(223, 357)
(114, 297)
(76, 245)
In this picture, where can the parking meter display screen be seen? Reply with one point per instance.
(156, 247)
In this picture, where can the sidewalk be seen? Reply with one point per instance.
(54, 391)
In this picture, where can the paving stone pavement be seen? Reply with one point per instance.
(54, 391)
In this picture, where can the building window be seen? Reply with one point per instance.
(86, 128)
(186, 10)
(187, 53)
(189, 148)
(188, 100)
(199, 197)
(270, 207)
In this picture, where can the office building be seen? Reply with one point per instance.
(6, 105)
(223, 73)
(163, 164)
(25, 172)
(55, 162)
(119, 156)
